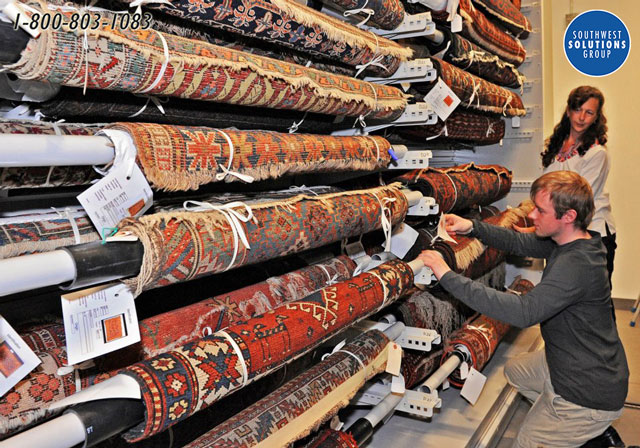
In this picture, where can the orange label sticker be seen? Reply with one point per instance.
(113, 328)
(448, 100)
(135, 208)
(9, 360)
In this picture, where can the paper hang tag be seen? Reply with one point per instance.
(16, 358)
(397, 384)
(117, 196)
(402, 239)
(442, 231)
(99, 320)
(394, 360)
(515, 122)
(464, 370)
(456, 23)
(473, 386)
(442, 99)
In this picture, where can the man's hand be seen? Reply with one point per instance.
(456, 225)
(434, 261)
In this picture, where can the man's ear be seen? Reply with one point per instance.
(569, 216)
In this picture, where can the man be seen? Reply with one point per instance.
(578, 383)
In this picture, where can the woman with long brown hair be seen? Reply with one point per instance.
(578, 144)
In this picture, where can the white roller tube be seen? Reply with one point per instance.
(412, 196)
(62, 432)
(21, 150)
(382, 409)
(35, 271)
(400, 150)
(439, 376)
(437, 37)
(416, 265)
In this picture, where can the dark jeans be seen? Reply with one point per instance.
(609, 242)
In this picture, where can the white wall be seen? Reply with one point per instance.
(622, 107)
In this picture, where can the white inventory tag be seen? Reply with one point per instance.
(456, 23)
(442, 99)
(402, 239)
(99, 320)
(442, 231)
(16, 358)
(394, 360)
(473, 385)
(115, 197)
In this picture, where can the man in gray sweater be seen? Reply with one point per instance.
(578, 383)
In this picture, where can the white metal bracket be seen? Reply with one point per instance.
(418, 70)
(427, 206)
(419, 403)
(419, 114)
(418, 339)
(413, 160)
(423, 277)
(412, 26)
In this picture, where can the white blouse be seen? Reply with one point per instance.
(594, 167)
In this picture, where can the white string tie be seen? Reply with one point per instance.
(455, 190)
(361, 117)
(294, 127)
(361, 10)
(490, 129)
(331, 280)
(482, 331)
(377, 149)
(155, 100)
(207, 331)
(472, 57)
(66, 214)
(302, 189)
(375, 61)
(165, 64)
(442, 132)
(476, 86)
(76, 368)
(504, 108)
(236, 348)
(385, 291)
(233, 217)
(353, 356)
(138, 4)
(226, 171)
(386, 223)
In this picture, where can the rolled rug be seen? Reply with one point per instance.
(330, 438)
(296, 26)
(466, 127)
(300, 406)
(480, 337)
(507, 14)
(44, 176)
(382, 14)
(464, 54)
(460, 187)
(180, 246)
(26, 403)
(44, 232)
(476, 93)
(182, 158)
(160, 64)
(107, 106)
(189, 378)
(477, 28)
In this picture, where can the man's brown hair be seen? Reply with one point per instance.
(567, 191)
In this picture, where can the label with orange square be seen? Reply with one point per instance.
(99, 320)
(16, 358)
(442, 99)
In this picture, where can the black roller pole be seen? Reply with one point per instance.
(12, 42)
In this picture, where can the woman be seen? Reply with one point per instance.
(577, 144)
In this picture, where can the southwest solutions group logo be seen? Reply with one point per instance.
(596, 43)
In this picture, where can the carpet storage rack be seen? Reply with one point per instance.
(395, 278)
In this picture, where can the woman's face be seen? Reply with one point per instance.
(584, 116)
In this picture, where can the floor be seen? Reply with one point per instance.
(455, 423)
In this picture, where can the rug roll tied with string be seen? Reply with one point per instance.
(185, 157)
(290, 24)
(189, 378)
(459, 187)
(303, 404)
(475, 92)
(153, 63)
(26, 403)
(180, 246)
(382, 14)
(481, 337)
